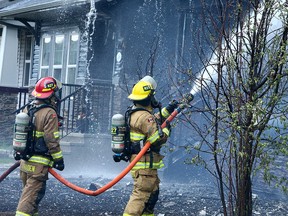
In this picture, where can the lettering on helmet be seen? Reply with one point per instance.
(49, 85)
(147, 88)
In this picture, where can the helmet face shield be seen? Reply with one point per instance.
(58, 91)
(59, 84)
(150, 80)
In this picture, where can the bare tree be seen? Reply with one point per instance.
(243, 90)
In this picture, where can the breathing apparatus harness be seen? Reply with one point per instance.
(121, 133)
(121, 142)
(24, 142)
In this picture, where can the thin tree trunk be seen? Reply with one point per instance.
(244, 206)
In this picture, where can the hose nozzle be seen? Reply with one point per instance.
(184, 102)
(188, 98)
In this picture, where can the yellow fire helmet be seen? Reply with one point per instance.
(141, 91)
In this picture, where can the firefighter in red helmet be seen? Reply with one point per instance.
(146, 126)
(45, 151)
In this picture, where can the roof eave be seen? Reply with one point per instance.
(44, 6)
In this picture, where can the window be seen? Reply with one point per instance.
(58, 57)
(72, 57)
(28, 50)
(45, 58)
(59, 54)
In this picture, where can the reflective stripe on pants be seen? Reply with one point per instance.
(19, 213)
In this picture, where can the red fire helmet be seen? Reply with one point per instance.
(45, 87)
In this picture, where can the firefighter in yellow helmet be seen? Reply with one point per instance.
(146, 126)
(45, 150)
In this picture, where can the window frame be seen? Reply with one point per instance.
(26, 76)
(65, 54)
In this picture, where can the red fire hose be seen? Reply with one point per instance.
(121, 175)
(111, 183)
(7, 172)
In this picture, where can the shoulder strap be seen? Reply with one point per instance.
(31, 134)
(33, 109)
(129, 111)
(128, 114)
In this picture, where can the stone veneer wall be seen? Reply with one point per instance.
(8, 104)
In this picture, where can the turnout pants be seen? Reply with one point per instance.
(34, 177)
(145, 193)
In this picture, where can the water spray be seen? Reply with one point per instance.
(196, 88)
(208, 75)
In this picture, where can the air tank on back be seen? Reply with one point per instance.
(20, 131)
(118, 133)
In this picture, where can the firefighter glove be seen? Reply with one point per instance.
(59, 165)
(166, 131)
(172, 106)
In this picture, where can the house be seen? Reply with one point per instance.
(99, 46)
(94, 43)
